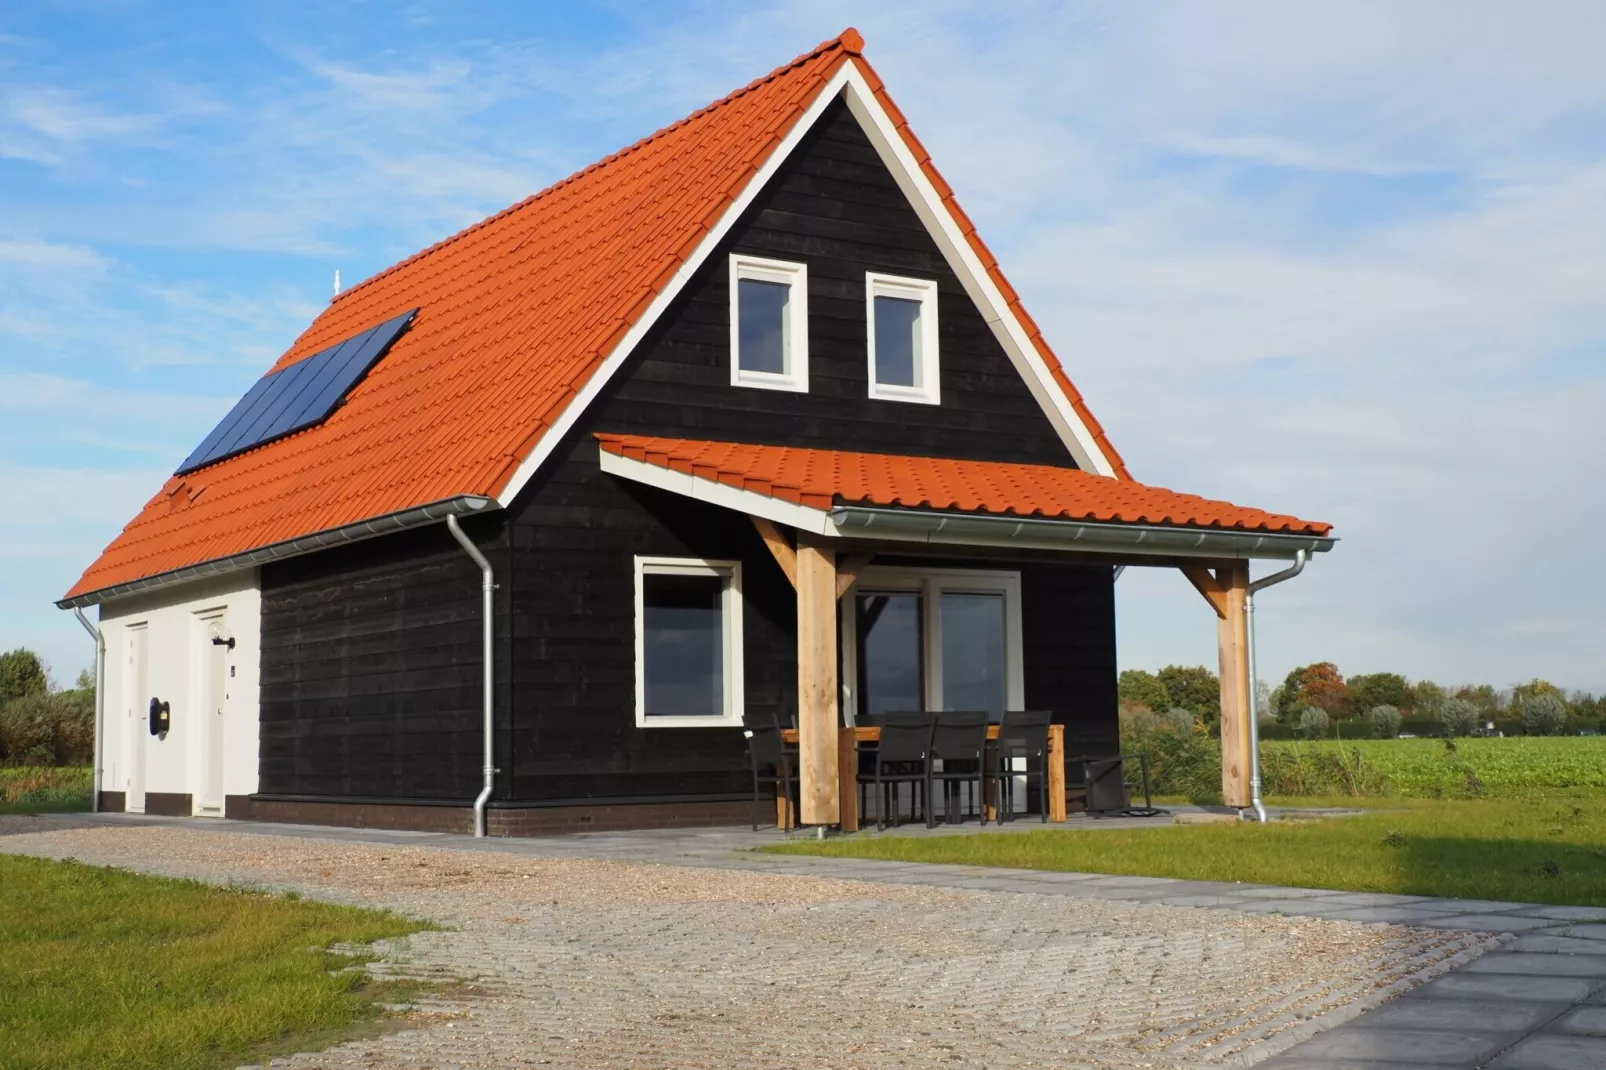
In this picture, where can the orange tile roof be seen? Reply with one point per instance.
(517, 313)
(821, 479)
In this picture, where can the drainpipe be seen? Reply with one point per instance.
(1300, 557)
(100, 703)
(487, 590)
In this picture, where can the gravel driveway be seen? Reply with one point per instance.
(595, 964)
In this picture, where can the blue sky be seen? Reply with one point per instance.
(1343, 261)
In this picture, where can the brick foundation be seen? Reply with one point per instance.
(352, 815)
(500, 821)
(169, 803)
(112, 802)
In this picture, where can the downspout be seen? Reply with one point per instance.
(100, 702)
(1300, 557)
(487, 591)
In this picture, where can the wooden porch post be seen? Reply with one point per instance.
(817, 715)
(1226, 591)
(1232, 640)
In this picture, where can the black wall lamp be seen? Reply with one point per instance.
(219, 641)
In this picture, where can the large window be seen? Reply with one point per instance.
(937, 639)
(769, 324)
(902, 342)
(688, 642)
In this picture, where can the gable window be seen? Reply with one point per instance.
(688, 642)
(769, 324)
(903, 338)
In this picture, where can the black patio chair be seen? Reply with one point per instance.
(903, 756)
(772, 760)
(1023, 739)
(1108, 791)
(959, 740)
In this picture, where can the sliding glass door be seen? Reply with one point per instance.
(927, 640)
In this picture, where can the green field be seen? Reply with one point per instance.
(1537, 850)
(1188, 765)
(1476, 768)
(105, 968)
(34, 790)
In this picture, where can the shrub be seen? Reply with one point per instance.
(22, 673)
(1458, 717)
(45, 729)
(1180, 718)
(1543, 715)
(1383, 722)
(1313, 722)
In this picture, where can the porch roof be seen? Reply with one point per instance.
(953, 500)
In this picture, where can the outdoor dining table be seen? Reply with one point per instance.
(847, 763)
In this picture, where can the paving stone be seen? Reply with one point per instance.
(1392, 915)
(1282, 1062)
(1488, 923)
(1569, 945)
(1586, 932)
(1584, 1021)
(1540, 965)
(1464, 985)
(1287, 893)
(1567, 913)
(1425, 1046)
(1382, 899)
(1551, 1051)
(1460, 1015)
(1469, 906)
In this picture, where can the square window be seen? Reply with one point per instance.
(769, 324)
(688, 642)
(902, 338)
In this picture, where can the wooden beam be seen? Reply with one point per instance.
(1213, 590)
(817, 717)
(782, 550)
(1232, 641)
(847, 573)
(1056, 772)
(847, 767)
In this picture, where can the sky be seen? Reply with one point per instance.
(1342, 260)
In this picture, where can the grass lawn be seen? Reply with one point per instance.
(38, 790)
(102, 967)
(1541, 850)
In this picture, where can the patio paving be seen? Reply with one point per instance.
(908, 964)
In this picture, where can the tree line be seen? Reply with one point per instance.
(1316, 700)
(41, 724)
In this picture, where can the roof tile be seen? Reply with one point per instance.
(840, 477)
(517, 312)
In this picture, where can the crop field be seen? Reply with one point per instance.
(1474, 768)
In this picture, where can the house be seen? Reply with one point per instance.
(742, 422)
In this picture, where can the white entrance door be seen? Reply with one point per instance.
(216, 683)
(136, 724)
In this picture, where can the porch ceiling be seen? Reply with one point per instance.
(953, 502)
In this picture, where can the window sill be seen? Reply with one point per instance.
(690, 722)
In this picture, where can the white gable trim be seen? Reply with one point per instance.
(962, 258)
(742, 500)
(588, 393)
(849, 82)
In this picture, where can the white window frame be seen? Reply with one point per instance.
(796, 277)
(929, 389)
(930, 583)
(731, 606)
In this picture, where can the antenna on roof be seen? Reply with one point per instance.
(337, 282)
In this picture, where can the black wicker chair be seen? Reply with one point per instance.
(902, 757)
(772, 760)
(1022, 738)
(960, 741)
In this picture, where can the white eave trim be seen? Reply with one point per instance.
(363, 529)
(970, 529)
(849, 83)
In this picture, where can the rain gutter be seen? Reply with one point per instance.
(1037, 533)
(419, 516)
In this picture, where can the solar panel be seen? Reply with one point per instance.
(299, 396)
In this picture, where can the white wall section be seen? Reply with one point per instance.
(176, 627)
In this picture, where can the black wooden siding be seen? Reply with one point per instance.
(567, 567)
